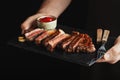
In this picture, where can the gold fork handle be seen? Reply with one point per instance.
(105, 35)
(99, 35)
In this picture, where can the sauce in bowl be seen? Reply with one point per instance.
(47, 19)
(47, 22)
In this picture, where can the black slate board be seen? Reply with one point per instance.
(84, 59)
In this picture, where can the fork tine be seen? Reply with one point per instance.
(101, 50)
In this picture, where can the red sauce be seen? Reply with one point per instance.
(47, 19)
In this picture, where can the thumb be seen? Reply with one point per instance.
(29, 22)
(107, 56)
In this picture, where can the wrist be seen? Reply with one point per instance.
(51, 13)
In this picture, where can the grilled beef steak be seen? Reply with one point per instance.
(71, 43)
(53, 42)
(33, 34)
(67, 41)
(44, 35)
(57, 33)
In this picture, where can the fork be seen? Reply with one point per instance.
(102, 40)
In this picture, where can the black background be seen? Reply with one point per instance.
(78, 14)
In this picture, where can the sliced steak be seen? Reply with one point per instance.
(67, 41)
(72, 46)
(53, 42)
(43, 36)
(85, 45)
(57, 33)
(33, 34)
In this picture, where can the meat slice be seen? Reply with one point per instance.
(72, 46)
(33, 34)
(67, 41)
(53, 42)
(89, 43)
(44, 35)
(82, 46)
(57, 33)
(91, 48)
(85, 45)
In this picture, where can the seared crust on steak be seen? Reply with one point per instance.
(53, 42)
(85, 45)
(43, 36)
(72, 46)
(57, 33)
(67, 41)
(33, 34)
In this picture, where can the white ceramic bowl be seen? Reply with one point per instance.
(47, 25)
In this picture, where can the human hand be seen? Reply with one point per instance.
(113, 54)
(30, 22)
